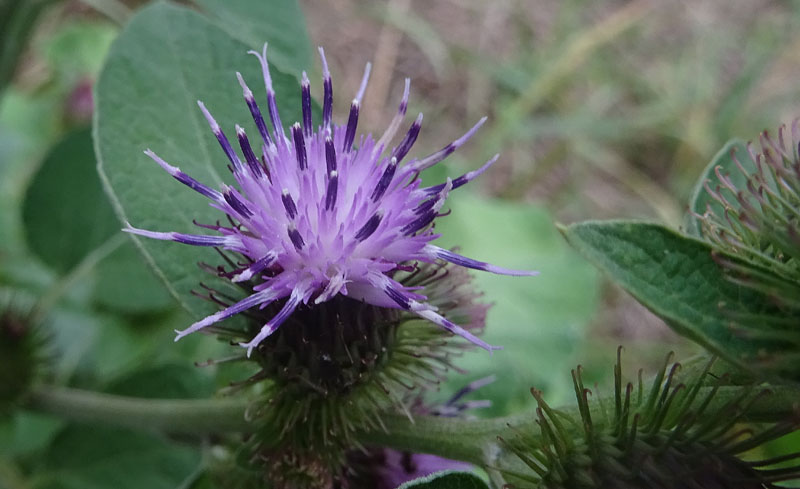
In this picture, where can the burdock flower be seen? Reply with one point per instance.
(319, 214)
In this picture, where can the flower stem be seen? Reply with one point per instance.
(468, 440)
(186, 416)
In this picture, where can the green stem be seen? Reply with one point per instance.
(187, 416)
(467, 440)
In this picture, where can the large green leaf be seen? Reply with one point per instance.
(67, 216)
(447, 480)
(539, 321)
(279, 22)
(700, 201)
(65, 212)
(165, 60)
(84, 457)
(676, 277)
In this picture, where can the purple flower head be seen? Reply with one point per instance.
(318, 213)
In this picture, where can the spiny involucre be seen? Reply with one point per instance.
(316, 216)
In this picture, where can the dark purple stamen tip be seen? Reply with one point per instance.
(255, 112)
(408, 141)
(197, 186)
(332, 190)
(370, 226)
(352, 123)
(306, 102)
(247, 151)
(288, 204)
(294, 235)
(299, 146)
(385, 180)
(222, 139)
(418, 223)
(398, 297)
(274, 117)
(236, 204)
(327, 101)
(330, 154)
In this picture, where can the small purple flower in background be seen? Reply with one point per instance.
(317, 216)
(386, 468)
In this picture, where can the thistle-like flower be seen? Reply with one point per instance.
(320, 214)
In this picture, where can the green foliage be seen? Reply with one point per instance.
(677, 278)
(67, 217)
(550, 309)
(83, 457)
(278, 22)
(447, 480)
(61, 213)
(165, 60)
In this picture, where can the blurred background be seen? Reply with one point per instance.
(600, 109)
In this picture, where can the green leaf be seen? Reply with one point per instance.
(78, 48)
(83, 457)
(24, 433)
(124, 282)
(700, 200)
(281, 23)
(67, 216)
(539, 321)
(165, 60)
(168, 381)
(676, 277)
(64, 212)
(447, 480)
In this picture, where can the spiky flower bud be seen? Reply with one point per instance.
(756, 217)
(670, 435)
(21, 350)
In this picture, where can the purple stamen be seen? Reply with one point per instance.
(463, 179)
(306, 103)
(247, 151)
(223, 141)
(255, 268)
(397, 120)
(456, 259)
(385, 180)
(299, 146)
(330, 154)
(443, 153)
(288, 204)
(254, 110)
(236, 204)
(190, 239)
(275, 322)
(185, 179)
(352, 123)
(332, 190)
(327, 97)
(370, 226)
(271, 103)
(405, 145)
(294, 236)
(418, 223)
(256, 299)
